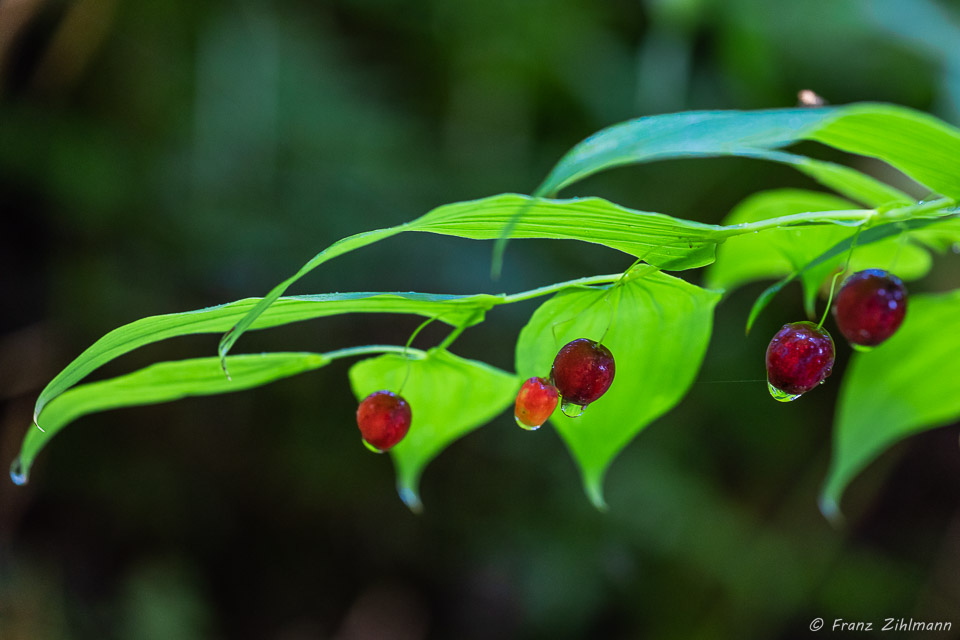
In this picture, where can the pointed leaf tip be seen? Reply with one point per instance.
(831, 511)
(410, 498)
(593, 486)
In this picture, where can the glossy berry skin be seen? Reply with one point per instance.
(583, 371)
(870, 307)
(536, 402)
(799, 357)
(384, 419)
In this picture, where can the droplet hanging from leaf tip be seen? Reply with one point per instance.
(781, 396)
(18, 474)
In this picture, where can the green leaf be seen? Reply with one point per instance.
(775, 253)
(848, 182)
(921, 146)
(454, 310)
(449, 397)
(661, 240)
(657, 328)
(871, 235)
(161, 382)
(677, 135)
(909, 384)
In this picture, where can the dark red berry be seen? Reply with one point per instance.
(536, 402)
(799, 358)
(870, 307)
(384, 419)
(583, 371)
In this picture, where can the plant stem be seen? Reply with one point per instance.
(559, 286)
(453, 335)
(812, 217)
(851, 215)
(351, 352)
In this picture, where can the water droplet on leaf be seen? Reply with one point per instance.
(781, 396)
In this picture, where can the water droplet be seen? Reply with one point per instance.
(862, 348)
(572, 410)
(781, 396)
(370, 446)
(525, 427)
(18, 474)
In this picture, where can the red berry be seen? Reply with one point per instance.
(799, 357)
(583, 371)
(870, 307)
(535, 402)
(384, 419)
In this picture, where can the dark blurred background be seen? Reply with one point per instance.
(169, 155)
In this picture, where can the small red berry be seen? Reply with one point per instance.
(870, 307)
(583, 371)
(384, 419)
(536, 401)
(799, 357)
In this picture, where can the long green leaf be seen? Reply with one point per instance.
(919, 145)
(160, 382)
(909, 384)
(449, 397)
(661, 240)
(775, 253)
(657, 328)
(848, 182)
(453, 310)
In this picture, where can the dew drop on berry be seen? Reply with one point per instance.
(371, 447)
(572, 410)
(526, 427)
(782, 396)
